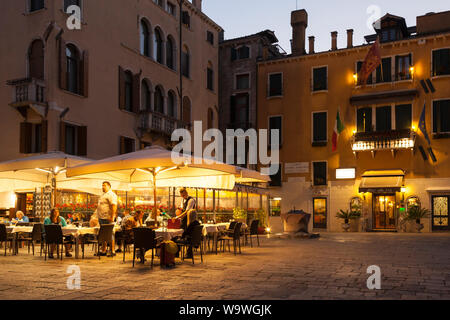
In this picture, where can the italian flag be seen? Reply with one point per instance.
(338, 128)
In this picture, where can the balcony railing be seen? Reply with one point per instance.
(159, 123)
(394, 140)
(27, 91)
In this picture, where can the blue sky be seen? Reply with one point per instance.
(243, 17)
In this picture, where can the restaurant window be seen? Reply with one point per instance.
(145, 39)
(127, 145)
(36, 5)
(320, 79)
(364, 120)
(383, 119)
(358, 69)
(320, 213)
(242, 81)
(73, 139)
(441, 62)
(171, 9)
(36, 60)
(403, 117)
(159, 100)
(275, 85)
(319, 128)
(402, 67)
(170, 53)
(441, 116)
(320, 173)
(383, 73)
(185, 62)
(158, 46)
(33, 137)
(210, 37)
(275, 123)
(275, 180)
(146, 97)
(210, 77)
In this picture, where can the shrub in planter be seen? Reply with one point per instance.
(347, 216)
(240, 214)
(415, 213)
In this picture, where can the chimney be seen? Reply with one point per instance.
(299, 23)
(350, 38)
(197, 4)
(334, 40)
(311, 44)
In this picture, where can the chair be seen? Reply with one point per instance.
(54, 235)
(236, 238)
(144, 239)
(196, 241)
(36, 235)
(252, 232)
(5, 237)
(126, 238)
(105, 234)
(230, 229)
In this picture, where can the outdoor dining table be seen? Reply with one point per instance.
(168, 234)
(16, 230)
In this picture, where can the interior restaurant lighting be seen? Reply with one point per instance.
(355, 78)
(411, 71)
(348, 173)
(403, 189)
(43, 170)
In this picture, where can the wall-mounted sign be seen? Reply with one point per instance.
(349, 173)
(296, 167)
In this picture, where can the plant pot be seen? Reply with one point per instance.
(419, 227)
(345, 226)
(346, 221)
(261, 230)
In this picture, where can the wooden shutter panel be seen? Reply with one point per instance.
(122, 145)
(62, 64)
(82, 141)
(44, 136)
(25, 137)
(233, 109)
(84, 74)
(136, 93)
(62, 136)
(122, 101)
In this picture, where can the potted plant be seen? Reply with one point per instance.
(347, 216)
(415, 213)
(261, 215)
(240, 215)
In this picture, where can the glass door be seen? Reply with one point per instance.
(440, 212)
(320, 213)
(384, 211)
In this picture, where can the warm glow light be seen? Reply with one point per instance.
(349, 173)
(142, 170)
(411, 69)
(355, 78)
(43, 170)
(403, 189)
(13, 198)
(277, 199)
(167, 169)
(268, 229)
(413, 128)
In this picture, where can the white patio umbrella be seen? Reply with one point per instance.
(157, 167)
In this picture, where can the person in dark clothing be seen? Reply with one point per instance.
(187, 206)
(187, 234)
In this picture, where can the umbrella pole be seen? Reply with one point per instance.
(154, 195)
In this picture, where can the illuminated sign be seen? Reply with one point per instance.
(349, 173)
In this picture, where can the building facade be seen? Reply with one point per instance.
(383, 163)
(115, 85)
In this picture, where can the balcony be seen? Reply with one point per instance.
(395, 140)
(27, 91)
(155, 122)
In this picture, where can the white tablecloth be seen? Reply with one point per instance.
(168, 234)
(14, 229)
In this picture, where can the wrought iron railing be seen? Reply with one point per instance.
(389, 140)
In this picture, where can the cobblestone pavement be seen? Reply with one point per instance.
(414, 266)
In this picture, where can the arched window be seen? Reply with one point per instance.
(185, 62)
(171, 105)
(159, 100)
(170, 53)
(146, 96)
(36, 60)
(145, 39)
(210, 118)
(158, 46)
(128, 91)
(73, 70)
(210, 77)
(186, 112)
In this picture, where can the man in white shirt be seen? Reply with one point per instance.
(187, 205)
(107, 210)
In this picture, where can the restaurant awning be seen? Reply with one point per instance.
(382, 181)
(383, 97)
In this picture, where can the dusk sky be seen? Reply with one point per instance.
(243, 17)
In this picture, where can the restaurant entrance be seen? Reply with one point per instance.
(384, 212)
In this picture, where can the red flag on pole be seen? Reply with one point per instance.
(372, 61)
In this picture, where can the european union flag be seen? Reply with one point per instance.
(423, 126)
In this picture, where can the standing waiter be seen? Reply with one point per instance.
(183, 211)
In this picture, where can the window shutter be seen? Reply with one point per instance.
(44, 136)
(136, 92)
(62, 64)
(233, 109)
(122, 145)
(84, 74)
(62, 136)
(82, 141)
(122, 94)
(25, 137)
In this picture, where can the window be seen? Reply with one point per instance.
(127, 145)
(383, 119)
(36, 60)
(171, 9)
(441, 62)
(275, 180)
(383, 73)
(441, 116)
(146, 97)
(358, 69)
(210, 77)
(320, 213)
(320, 173)
(36, 5)
(33, 137)
(403, 117)
(186, 19)
(210, 118)
(145, 39)
(390, 34)
(159, 3)
(402, 66)
(239, 111)
(171, 105)
(72, 68)
(185, 62)
(319, 128)
(159, 100)
(73, 139)
(239, 53)
(158, 46)
(364, 120)
(275, 123)
(210, 37)
(68, 3)
(275, 85)
(170, 53)
(320, 79)
(128, 91)
(242, 81)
